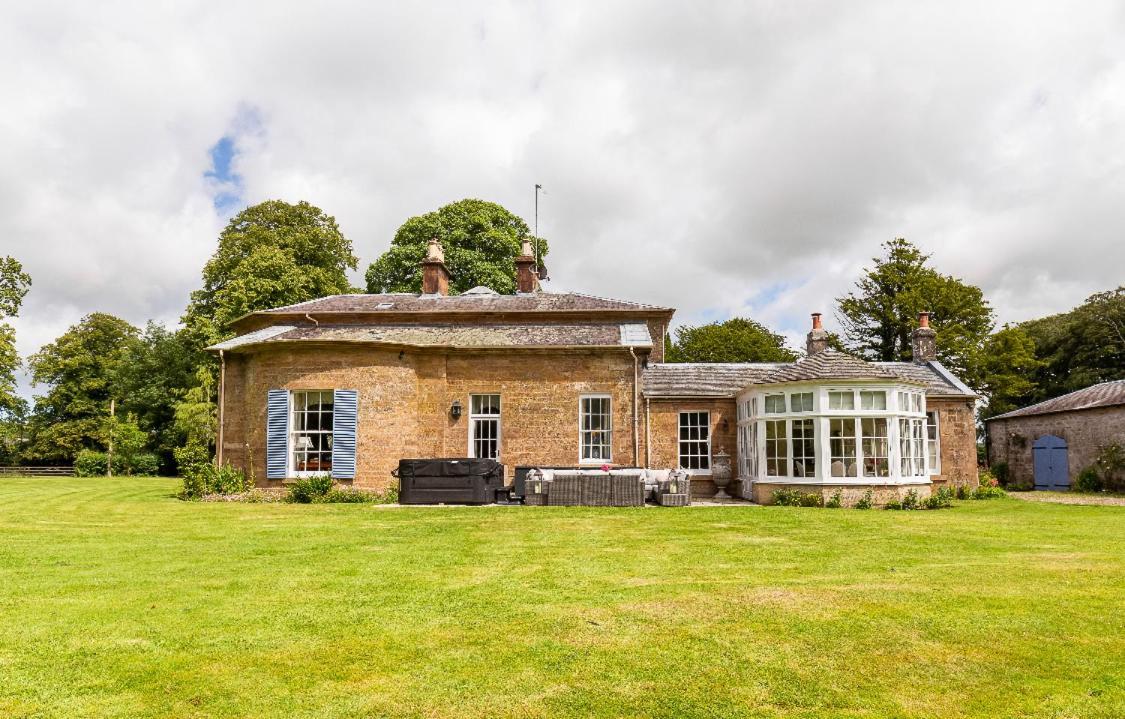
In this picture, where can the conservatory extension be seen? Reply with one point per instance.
(831, 421)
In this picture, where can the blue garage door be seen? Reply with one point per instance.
(1052, 470)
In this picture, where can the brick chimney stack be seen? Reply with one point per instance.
(435, 275)
(527, 273)
(817, 340)
(924, 340)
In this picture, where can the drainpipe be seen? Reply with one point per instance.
(222, 406)
(636, 415)
(648, 436)
(310, 319)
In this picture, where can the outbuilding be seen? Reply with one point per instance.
(1046, 445)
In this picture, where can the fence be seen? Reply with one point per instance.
(36, 471)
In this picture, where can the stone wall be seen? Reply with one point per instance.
(404, 402)
(664, 425)
(849, 493)
(1085, 432)
(957, 426)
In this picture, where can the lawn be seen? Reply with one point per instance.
(117, 600)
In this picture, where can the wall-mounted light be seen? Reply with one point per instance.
(725, 425)
(455, 409)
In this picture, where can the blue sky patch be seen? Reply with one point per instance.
(226, 183)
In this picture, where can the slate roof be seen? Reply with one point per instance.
(728, 379)
(1106, 394)
(938, 380)
(473, 301)
(828, 365)
(690, 379)
(453, 335)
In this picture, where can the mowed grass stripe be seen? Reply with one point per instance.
(118, 600)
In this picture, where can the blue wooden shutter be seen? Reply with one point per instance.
(277, 434)
(345, 411)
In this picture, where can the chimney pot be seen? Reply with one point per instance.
(817, 340)
(527, 274)
(435, 275)
(923, 342)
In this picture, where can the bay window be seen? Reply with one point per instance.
(841, 433)
(777, 449)
(804, 448)
(876, 461)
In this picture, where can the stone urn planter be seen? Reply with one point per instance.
(720, 473)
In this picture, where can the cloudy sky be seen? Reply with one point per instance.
(722, 158)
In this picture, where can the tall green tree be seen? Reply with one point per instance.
(1006, 366)
(481, 242)
(1079, 348)
(14, 284)
(155, 374)
(738, 339)
(79, 369)
(879, 316)
(271, 254)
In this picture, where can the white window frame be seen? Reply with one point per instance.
(293, 431)
(475, 417)
(935, 443)
(608, 431)
(679, 441)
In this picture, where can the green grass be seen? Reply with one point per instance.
(117, 600)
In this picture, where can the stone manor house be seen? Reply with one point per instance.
(351, 384)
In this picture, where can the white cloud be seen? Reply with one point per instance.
(721, 158)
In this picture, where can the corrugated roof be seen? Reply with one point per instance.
(692, 379)
(828, 365)
(1106, 394)
(473, 301)
(452, 335)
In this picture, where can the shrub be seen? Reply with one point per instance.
(866, 501)
(1000, 472)
(833, 502)
(988, 479)
(1088, 481)
(893, 504)
(988, 493)
(90, 463)
(941, 499)
(209, 479)
(963, 492)
(910, 501)
(1111, 466)
(786, 497)
(191, 458)
(796, 498)
(310, 489)
(145, 464)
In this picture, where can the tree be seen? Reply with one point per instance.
(269, 255)
(79, 369)
(1079, 348)
(155, 374)
(736, 340)
(1006, 367)
(14, 284)
(879, 317)
(481, 242)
